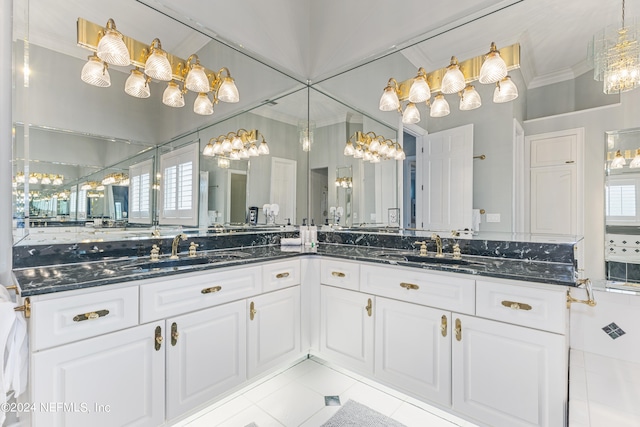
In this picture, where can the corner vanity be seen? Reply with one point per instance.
(127, 341)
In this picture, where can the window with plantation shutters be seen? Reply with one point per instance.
(622, 202)
(140, 192)
(179, 182)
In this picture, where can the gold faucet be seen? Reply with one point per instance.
(423, 247)
(438, 245)
(174, 245)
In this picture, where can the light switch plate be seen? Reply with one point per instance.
(493, 217)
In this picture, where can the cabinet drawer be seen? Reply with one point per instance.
(413, 285)
(340, 273)
(63, 320)
(190, 292)
(280, 275)
(521, 305)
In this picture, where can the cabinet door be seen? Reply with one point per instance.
(508, 376)
(206, 357)
(113, 380)
(554, 212)
(346, 328)
(273, 329)
(413, 349)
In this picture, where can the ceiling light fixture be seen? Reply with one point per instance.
(305, 134)
(373, 148)
(152, 62)
(614, 53)
(455, 78)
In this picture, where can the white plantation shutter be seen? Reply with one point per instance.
(179, 184)
(140, 192)
(622, 200)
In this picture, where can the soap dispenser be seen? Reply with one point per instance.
(304, 232)
(313, 233)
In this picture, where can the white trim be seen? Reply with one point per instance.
(572, 113)
(518, 208)
(228, 185)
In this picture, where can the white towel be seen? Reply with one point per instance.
(13, 349)
(475, 219)
(290, 241)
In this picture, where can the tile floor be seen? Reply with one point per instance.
(296, 397)
(603, 392)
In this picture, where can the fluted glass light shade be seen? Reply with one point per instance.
(419, 91)
(374, 145)
(196, 80)
(389, 100)
(439, 106)
(172, 96)
(411, 114)
(505, 91)
(618, 161)
(470, 99)
(359, 153)
(244, 154)
(203, 105)
(493, 68)
(228, 92)
(635, 163)
(217, 148)
(349, 150)
(136, 85)
(111, 48)
(157, 65)
(263, 148)
(453, 80)
(253, 150)
(236, 143)
(226, 146)
(96, 73)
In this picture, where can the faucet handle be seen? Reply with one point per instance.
(423, 247)
(192, 249)
(155, 253)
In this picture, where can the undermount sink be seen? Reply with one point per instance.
(180, 263)
(414, 257)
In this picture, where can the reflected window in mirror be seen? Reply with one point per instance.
(178, 186)
(140, 192)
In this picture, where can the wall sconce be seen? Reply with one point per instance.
(151, 62)
(239, 145)
(455, 78)
(373, 148)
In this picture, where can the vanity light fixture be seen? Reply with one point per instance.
(116, 178)
(618, 161)
(493, 68)
(469, 99)
(373, 148)
(439, 107)
(223, 163)
(505, 91)
(344, 182)
(39, 178)
(239, 145)
(152, 62)
(635, 163)
(614, 53)
(455, 78)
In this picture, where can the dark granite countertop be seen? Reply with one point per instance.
(65, 277)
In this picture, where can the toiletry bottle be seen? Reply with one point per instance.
(313, 233)
(304, 232)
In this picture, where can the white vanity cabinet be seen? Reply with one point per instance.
(147, 352)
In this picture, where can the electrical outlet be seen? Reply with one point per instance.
(355, 215)
(493, 217)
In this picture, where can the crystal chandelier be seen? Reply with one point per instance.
(614, 53)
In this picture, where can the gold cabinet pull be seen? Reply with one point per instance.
(282, 275)
(13, 288)
(252, 310)
(590, 301)
(337, 274)
(443, 325)
(409, 286)
(93, 315)
(158, 338)
(516, 305)
(211, 290)
(26, 307)
(369, 307)
(458, 329)
(174, 333)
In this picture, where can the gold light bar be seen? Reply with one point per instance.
(470, 69)
(89, 35)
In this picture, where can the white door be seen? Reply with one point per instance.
(507, 375)
(444, 180)
(555, 182)
(205, 356)
(273, 329)
(413, 349)
(113, 380)
(283, 188)
(346, 328)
